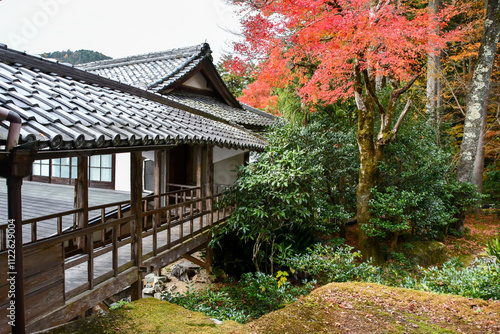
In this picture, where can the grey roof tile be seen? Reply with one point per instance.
(222, 110)
(159, 70)
(69, 113)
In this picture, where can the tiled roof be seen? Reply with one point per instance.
(211, 105)
(153, 71)
(64, 107)
(160, 70)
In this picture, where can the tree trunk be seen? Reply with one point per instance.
(369, 246)
(477, 177)
(477, 97)
(433, 70)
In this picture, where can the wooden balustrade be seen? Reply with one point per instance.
(107, 235)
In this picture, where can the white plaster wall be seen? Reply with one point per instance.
(225, 153)
(225, 170)
(122, 171)
(197, 81)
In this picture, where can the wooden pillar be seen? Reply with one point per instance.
(199, 184)
(136, 224)
(210, 189)
(167, 175)
(157, 201)
(14, 200)
(82, 198)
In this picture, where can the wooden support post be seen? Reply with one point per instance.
(157, 202)
(199, 155)
(14, 197)
(167, 175)
(136, 224)
(82, 198)
(210, 189)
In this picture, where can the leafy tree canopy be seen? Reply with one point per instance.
(76, 57)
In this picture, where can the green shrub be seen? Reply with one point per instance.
(254, 295)
(328, 264)
(304, 182)
(417, 190)
(479, 281)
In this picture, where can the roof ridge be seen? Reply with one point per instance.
(189, 51)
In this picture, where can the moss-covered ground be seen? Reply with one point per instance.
(333, 308)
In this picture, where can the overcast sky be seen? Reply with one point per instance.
(117, 28)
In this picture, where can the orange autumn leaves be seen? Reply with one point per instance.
(312, 45)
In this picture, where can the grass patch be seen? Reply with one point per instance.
(147, 315)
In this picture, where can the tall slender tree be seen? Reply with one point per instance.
(433, 69)
(478, 93)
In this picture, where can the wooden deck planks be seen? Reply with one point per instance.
(41, 199)
(78, 275)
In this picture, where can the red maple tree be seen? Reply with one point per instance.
(342, 49)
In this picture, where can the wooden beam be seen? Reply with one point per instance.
(136, 224)
(84, 301)
(173, 254)
(194, 260)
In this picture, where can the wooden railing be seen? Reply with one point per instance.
(168, 220)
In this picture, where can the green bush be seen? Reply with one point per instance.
(328, 264)
(417, 190)
(254, 295)
(304, 182)
(479, 281)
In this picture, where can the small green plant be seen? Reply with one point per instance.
(282, 277)
(493, 248)
(120, 304)
(254, 295)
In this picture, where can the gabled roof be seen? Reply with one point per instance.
(153, 71)
(165, 72)
(66, 108)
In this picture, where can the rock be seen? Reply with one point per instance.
(148, 291)
(164, 279)
(150, 278)
(425, 253)
(215, 321)
(159, 287)
(184, 271)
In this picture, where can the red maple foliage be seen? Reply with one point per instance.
(315, 43)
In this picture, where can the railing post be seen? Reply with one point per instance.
(210, 188)
(199, 155)
(167, 176)
(157, 201)
(82, 198)
(136, 224)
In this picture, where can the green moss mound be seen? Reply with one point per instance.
(148, 315)
(333, 308)
(374, 308)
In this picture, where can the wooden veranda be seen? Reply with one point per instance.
(110, 247)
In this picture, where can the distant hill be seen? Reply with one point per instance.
(76, 57)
